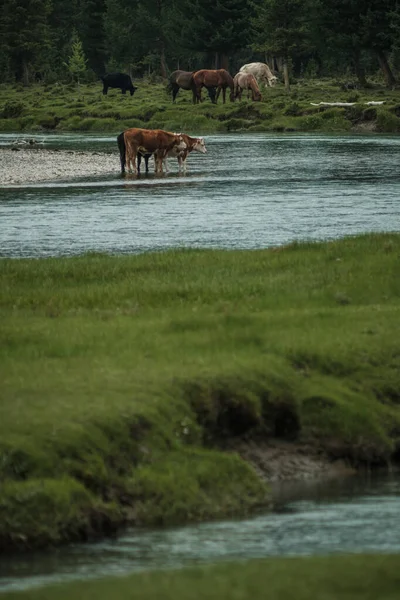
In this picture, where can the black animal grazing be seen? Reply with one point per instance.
(122, 155)
(121, 81)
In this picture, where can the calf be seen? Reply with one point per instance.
(121, 81)
(149, 141)
(197, 144)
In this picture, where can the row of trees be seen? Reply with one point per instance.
(318, 37)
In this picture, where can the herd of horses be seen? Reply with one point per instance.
(214, 80)
(217, 80)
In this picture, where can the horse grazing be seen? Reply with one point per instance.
(261, 72)
(246, 81)
(219, 78)
(184, 80)
(135, 141)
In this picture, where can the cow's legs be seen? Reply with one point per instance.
(131, 157)
(105, 89)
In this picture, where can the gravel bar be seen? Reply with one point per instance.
(25, 165)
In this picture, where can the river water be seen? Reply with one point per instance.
(349, 514)
(248, 191)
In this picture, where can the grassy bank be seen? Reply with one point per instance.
(123, 376)
(61, 107)
(330, 578)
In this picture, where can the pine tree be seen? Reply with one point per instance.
(283, 29)
(77, 63)
(92, 33)
(215, 27)
(25, 35)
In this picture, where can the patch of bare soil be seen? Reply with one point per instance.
(365, 127)
(277, 460)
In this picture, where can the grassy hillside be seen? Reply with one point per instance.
(123, 375)
(62, 107)
(328, 578)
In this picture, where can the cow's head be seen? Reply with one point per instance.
(272, 81)
(133, 90)
(200, 145)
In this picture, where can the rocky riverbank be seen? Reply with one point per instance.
(32, 165)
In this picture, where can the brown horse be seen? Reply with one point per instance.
(219, 78)
(246, 81)
(184, 80)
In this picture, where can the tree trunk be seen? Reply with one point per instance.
(389, 77)
(163, 63)
(224, 62)
(359, 69)
(25, 72)
(286, 74)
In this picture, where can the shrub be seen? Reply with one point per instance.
(293, 110)
(387, 122)
(12, 110)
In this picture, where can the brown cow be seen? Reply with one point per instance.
(150, 141)
(196, 144)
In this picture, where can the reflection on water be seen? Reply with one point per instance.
(352, 514)
(248, 191)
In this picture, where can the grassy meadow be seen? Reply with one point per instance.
(65, 107)
(352, 577)
(124, 376)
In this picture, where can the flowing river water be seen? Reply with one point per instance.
(357, 513)
(248, 191)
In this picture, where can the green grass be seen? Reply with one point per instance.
(63, 107)
(123, 375)
(347, 577)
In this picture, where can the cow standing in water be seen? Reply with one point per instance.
(192, 144)
(121, 81)
(135, 141)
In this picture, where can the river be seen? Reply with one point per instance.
(248, 191)
(358, 513)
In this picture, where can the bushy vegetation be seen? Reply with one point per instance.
(353, 577)
(69, 108)
(123, 375)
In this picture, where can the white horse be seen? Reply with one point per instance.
(261, 72)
